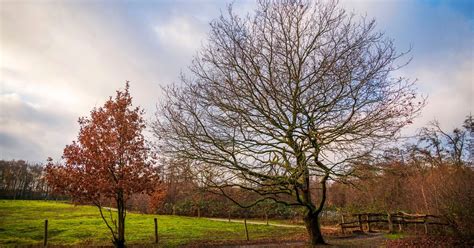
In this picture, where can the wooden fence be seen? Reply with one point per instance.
(358, 220)
(45, 237)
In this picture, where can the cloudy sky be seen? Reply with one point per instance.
(59, 59)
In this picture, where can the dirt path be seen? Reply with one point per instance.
(358, 240)
(364, 240)
(256, 222)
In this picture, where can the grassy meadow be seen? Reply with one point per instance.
(22, 223)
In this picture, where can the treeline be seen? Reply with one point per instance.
(22, 180)
(435, 175)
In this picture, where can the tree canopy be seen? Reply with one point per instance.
(286, 96)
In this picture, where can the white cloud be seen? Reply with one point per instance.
(31, 130)
(64, 59)
(180, 33)
(451, 93)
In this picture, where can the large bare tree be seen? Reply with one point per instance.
(284, 99)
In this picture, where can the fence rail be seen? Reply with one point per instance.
(358, 220)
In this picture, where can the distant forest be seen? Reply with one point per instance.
(22, 180)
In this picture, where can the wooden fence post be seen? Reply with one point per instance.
(228, 215)
(359, 216)
(342, 223)
(246, 230)
(390, 224)
(45, 233)
(425, 219)
(401, 220)
(368, 223)
(156, 231)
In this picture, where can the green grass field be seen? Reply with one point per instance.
(22, 223)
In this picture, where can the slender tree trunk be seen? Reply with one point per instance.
(119, 242)
(424, 197)
(266, 217)
(313, 227)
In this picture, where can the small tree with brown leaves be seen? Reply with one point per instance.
(109, 160)
(286, 97)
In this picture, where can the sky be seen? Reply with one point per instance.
(60, 59)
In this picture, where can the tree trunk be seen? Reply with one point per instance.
(119, 242)
(314, 229)
(311, 219)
